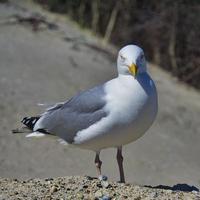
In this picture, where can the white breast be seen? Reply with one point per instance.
(132, 107)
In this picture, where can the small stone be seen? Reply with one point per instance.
(106, 198)
(42, 190)
(80, 188)
(80, 196)
(47, 197)
(85, 186)
(103, 178)
(53, 189)
(89, 178)
(98, 194)
(137, 198)
(99, 185)
(49, 182)
(48, 179)
(87, 191)
(105, 184)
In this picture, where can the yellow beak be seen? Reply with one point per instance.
(133, 69)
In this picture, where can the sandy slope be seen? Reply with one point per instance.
(42, 66)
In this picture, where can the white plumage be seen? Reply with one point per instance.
(111, 115)
(131, 112)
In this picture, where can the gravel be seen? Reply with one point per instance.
(78, 187)
(51, 65)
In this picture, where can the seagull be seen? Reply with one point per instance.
(113, 114)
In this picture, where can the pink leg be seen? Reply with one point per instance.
(98, 163)
(120, 164)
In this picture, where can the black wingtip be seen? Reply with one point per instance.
(30, 121)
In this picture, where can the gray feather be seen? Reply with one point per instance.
(78, 113)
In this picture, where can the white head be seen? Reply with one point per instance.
(131, 61)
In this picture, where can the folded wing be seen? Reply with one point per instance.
(66, 119)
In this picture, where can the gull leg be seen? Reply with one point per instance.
(98, 163)
(120, 164)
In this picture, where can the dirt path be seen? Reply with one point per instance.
(52, 64)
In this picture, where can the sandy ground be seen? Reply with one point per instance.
(51, 65)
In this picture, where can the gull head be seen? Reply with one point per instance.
(131, 61)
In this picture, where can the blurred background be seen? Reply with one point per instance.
(168, 30)
(52, 49)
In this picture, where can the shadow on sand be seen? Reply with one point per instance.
(178, 187)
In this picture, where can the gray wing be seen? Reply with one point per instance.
(80, 112)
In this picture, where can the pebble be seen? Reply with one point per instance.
(103, 178)
(48, 179)
(49, 182)
(85, 186)
(89, 178)
(105, 184)
(105, 198)
(99, 185)
(98, 194)
(53, 189)
(80, 196)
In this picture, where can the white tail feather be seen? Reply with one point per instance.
(35, 134)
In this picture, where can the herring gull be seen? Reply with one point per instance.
(110, 115)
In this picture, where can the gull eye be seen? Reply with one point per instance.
(122, 58)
